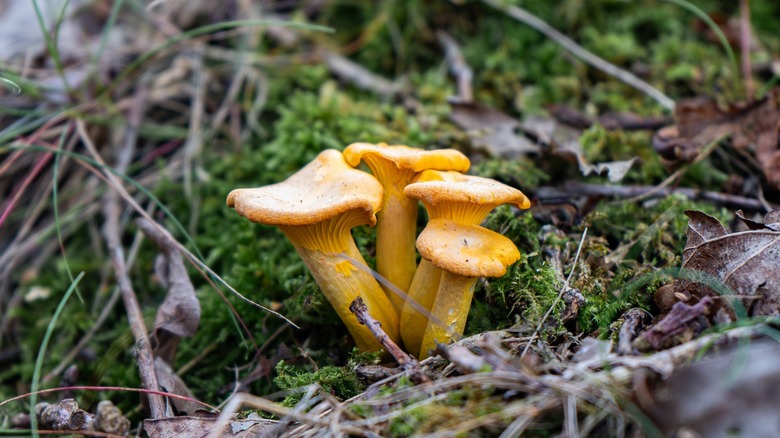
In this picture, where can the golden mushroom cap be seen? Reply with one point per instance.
(468, 250)
(323, 189)
(407, 158)
(433, 187)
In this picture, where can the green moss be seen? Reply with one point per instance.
(523, 172)
(341, 382)
(648, 237)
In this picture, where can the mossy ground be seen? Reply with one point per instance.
(518, 71)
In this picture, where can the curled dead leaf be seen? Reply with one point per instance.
(179, 314)
(742, 265)
(753, 127)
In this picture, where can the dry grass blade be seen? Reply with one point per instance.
(575, 49)
(564, 287)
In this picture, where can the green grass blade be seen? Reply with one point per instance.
(11, 84)
(107, 30)
(715, 29)
(55, 202)
(42, 352)
(51, 45)
(26, 123)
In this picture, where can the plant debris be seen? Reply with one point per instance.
(740, 268)
(753, 128)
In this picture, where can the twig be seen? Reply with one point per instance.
(666, 362)
(111, 231)
(358, 75)
(458, 66)
(143, 352)
(558, 298)
(576, 50)
(407, 362)
(584, 189)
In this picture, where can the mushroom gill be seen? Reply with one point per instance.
(316, 208)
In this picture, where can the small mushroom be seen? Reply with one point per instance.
(463, 253)
(316, 208)
(465, 199)
(395, 167)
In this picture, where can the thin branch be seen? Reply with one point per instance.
(570, 189)
(111, 231)
(406, 361)
(458, 66)
(587, 57)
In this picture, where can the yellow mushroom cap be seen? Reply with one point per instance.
(433, 187)
(468, 250)
(325, 188)
(404, 157)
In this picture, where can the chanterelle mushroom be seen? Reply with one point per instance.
(316, 208)
(395, 167)
(465, 199)
(463, 253)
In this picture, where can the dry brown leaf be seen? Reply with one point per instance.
(179, 314)
(501, 136)
(491, 131)
(753, 128)
(170, 382)
(202, 425)
(771, 221)
(681, 324)
(745, 262)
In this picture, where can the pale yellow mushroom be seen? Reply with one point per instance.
(463, 253)
(465, 199)
(316, 208)
(395, 167)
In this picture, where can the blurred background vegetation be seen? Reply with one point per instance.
(240, 94)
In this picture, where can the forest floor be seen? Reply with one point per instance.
(645, 134)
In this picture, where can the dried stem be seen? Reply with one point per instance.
(458, 66)
(406, 361)
(111, 230)
(570, 189)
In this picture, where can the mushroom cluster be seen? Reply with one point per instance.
(420, 304)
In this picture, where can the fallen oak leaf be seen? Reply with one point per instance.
(771, 221)
(491, 131)
(744, 262)
(171, 382)
(179, 314)
(680, 325)
(753, 127)
(203, 424)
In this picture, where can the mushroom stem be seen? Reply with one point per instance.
(331, 263)
(413, 321)
(451, 307)
(396, 231)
